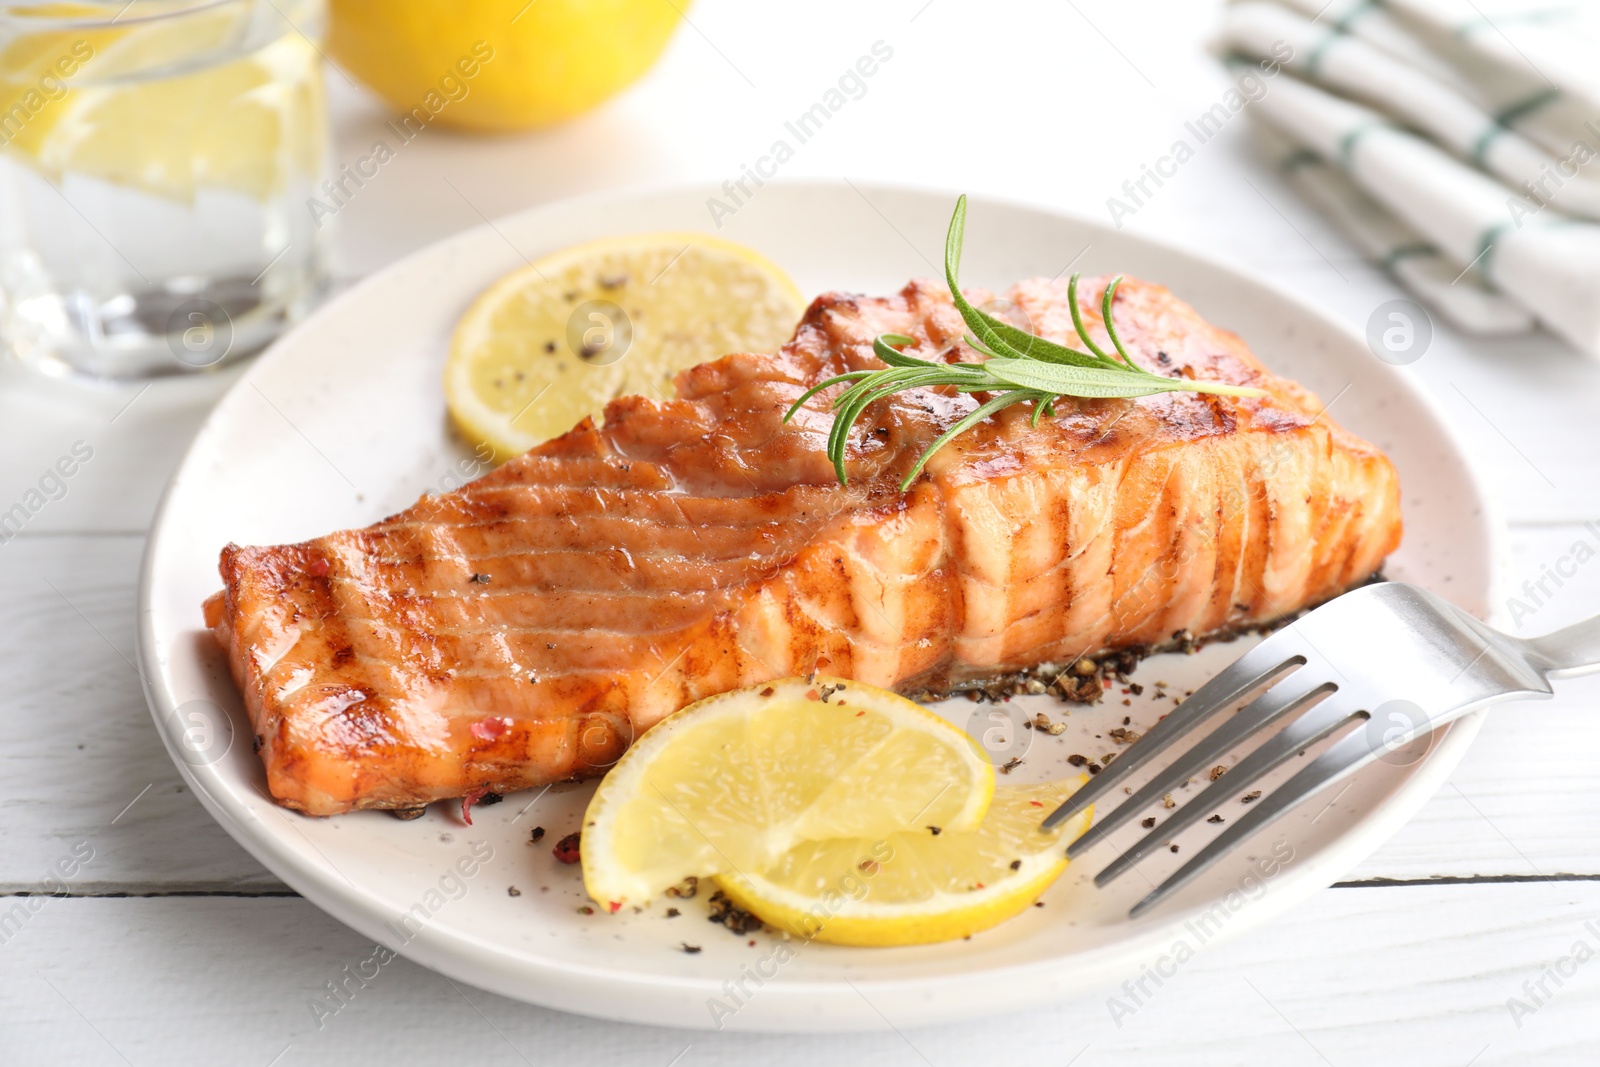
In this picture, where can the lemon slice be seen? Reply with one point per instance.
(737, 780)
(244, 125)
(553, 342)
(915, 887)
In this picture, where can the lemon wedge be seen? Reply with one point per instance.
(916, 886)
(735, 781)
(558, 339)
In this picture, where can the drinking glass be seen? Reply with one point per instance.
(156, 159)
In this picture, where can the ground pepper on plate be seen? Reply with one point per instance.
(725, 913)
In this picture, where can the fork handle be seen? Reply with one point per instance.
(1570, 651)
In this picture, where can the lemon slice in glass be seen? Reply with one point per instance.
(143, 110)
(737, 780)
(555, 341)
(920, 885)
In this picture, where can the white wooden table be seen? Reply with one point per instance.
(172, 946)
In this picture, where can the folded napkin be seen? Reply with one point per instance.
(1522, 61)
(1442, 109)
(1531, 57)
(1402, 110)
(1460, 295)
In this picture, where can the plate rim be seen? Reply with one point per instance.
(803, 1000)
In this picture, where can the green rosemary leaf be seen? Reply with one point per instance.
(1083, 331)
(979, 323)
(1086, 382)
(1055, 379)
(1107, 296)
(820, 386)
(995, 336)
(1049, 352)
(1030, 346)
(979, 347)
(844, 418)
(867, 392)
(863, 395)
(1018, 366)
(978, 414)
(1039, 408)
(849, 410)
(900, 359)
(883, 348)
(1111, 327)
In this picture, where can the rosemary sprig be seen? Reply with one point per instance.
(1019, 367)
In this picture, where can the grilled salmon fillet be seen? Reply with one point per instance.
(526, 627)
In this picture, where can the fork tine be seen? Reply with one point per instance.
(1343, 759)
(1285, 697)
(1311, 727)
(1235, 680)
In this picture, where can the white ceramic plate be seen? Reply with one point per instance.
(342, 422)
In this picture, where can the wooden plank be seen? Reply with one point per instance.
(1525, 802)
(1422, 973)
(80, 760)
(119, 443)
(1523, 407)
(1530, 432)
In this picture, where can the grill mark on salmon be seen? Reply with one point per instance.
(525, 628)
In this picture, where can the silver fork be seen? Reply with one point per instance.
(1383, 665)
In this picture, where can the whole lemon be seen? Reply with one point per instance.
(499, 64)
